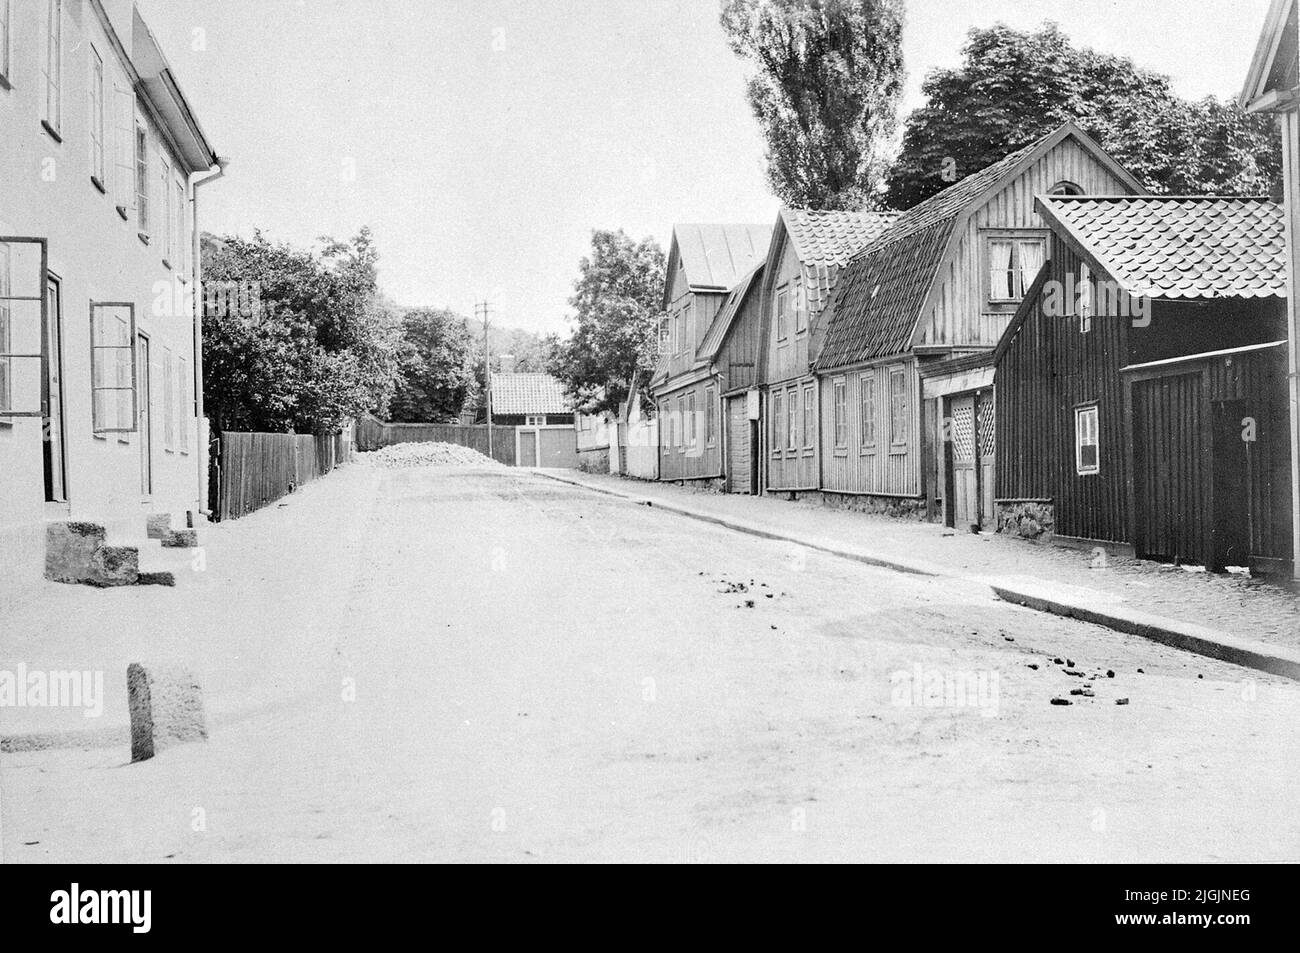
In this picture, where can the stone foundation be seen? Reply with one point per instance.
(905, 508)
(706, 485)
(1027, 520)
(594, 461)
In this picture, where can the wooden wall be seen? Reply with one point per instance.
(789, 469)
(880, 468)
(737, 361)
(678, 458)
(960, 315)
(785, 359)
(373, 434)
(256, 469)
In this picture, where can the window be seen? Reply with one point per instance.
(681, 424)
(1087, 299)
(800, 307)
(183, 408)
(1013, 265)
(792, 419)
(1087, 457)
(809, 418)
(1065, 188)
(534, 420)
(665, 335)
(180, 246)
(169, 402)
(867, 396)
(840, 405)
(693, 425)
(897, 407)
(710, 416)
(6, 333)
(778, 423)
(97, 118)
(5, 45)
(142, 177)
(52, 66)
(782, 307)
(166, 225)
(112, 368)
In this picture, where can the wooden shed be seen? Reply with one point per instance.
(940, 285)
(705, 262)
(1142, 386)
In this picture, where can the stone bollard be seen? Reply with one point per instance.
(181, 539)
(166, 709)
(158, 525)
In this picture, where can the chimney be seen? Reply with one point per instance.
(507, 362)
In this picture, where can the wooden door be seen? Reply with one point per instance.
(527, 448)
(738, 448)
(985, 434)
(965, 507)
(1169, 470)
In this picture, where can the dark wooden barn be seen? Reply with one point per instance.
(1142, 383)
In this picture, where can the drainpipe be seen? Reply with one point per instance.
(197, 265)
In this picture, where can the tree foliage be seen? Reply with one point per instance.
(618, 303)
(436, 373)
(829, 75)
(293, 341)
(1014, 87)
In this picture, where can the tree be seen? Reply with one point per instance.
(826, 91)
(293, 341)
(618, 299)
(1014, 87)
(528, 351)
(436, 374)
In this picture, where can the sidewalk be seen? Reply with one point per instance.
(1225, 616)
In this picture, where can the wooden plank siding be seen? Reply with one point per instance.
(792, 467)
(680, 456)
(1050, 369)
(881, 467)
(373, 435)
(736, 366)
(959, 315)
(256, 469)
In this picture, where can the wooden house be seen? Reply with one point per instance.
(704, 263)
(541, 414)
(803, 261)
(925, 304)
(1142, 385)
(1273, 85)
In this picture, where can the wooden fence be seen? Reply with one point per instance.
(256, 469)
(373, 434)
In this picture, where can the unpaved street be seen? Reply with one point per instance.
(521, 670)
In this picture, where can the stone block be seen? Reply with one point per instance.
(158, 525)
(166, 707)
(181, 539)
(70, 549)
(114, 566)
(156, 579)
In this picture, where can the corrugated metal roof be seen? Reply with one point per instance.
(714, 257)
(1180, 246)
(528, 394)
(726, 315)
(879, 298)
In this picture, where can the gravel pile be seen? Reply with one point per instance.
(401, 455)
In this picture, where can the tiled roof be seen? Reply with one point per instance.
(879, 298)
(1180, 246)
(824, 240)
(726, 315)
(528, 394)
(714, 257)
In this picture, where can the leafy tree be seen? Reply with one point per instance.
(614, 346)
(436, 377)
(293, 341)
(826, 91)
(1014, 87)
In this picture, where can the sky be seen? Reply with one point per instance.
(483, 140)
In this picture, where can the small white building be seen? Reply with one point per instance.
(100, 357)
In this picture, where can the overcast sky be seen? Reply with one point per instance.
(482, 140)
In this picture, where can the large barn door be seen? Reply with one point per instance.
(1169, 470)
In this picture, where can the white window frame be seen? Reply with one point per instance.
(899, 409)
(781, 311)
(98, 143)
(867, 431)
(168, 234)
(125, 375)
(779, 422)
(1087, 433)
(1020, 282)
(793, 417)
(142, 176)
(169, 401)
(183, 404)
(52, 68)
(180, 246)
(6, 334)
(693, 427)
(710, 416)
(840, 412)
(809, 418)
(800, 307)
(1087, 298)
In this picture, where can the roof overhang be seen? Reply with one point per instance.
(1255, 95)
(155, 82)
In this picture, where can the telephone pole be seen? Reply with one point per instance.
(485, 308)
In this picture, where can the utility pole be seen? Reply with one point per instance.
(485, 307)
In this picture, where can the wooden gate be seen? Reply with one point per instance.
(527, 453)
(739, 456)
(965, 482)
(1169, 470)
